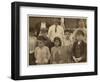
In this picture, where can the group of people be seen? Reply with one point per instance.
(58, 46)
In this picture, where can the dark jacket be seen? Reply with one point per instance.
(80, 50)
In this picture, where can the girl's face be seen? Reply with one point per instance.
(79, 37)
(40, 43)
(57, 43)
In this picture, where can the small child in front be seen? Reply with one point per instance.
(42, 53)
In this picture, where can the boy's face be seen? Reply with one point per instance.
(79, 37)
(67, 34)
(40, 43)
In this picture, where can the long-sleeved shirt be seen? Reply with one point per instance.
(42, 55)
(80, 50)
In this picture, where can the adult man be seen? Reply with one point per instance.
(81, 26)
(56, 30)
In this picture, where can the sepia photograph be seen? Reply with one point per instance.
(57, 40)
(53, 40)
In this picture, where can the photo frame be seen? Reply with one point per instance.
(24, 19)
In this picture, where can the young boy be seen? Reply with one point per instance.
(67, 46)
(42, 53)
(67, 40)
(79, 49)
(47, 42)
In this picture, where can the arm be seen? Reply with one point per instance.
(84, 52)
(73, 53)
(51, 59)
(35, 53)
(48, 52)
(52, 55)
(75, 59)
(49, 32)
(62, 32)
(84, 57)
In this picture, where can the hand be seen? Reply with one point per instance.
(79, 59)
(75, 59)
(46, 60)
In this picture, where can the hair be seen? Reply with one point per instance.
(43, 30)
(57, 38)
(81, 20)
(79, 32)
(41, 38)
(56, 20)
(70, 31)
(84, 21)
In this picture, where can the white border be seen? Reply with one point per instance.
(60, 68)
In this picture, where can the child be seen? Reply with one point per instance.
(67, 40)
(55, 51)
(67, 46)
(42, 53)
(79, 48)
(47, 42)
(32, 45)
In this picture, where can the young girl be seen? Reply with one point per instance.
(42, 53)
(55, 51)
(79, 48)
